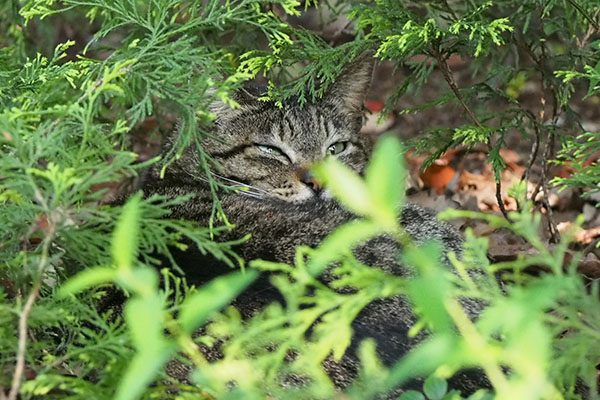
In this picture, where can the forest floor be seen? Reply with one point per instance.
(463, 179)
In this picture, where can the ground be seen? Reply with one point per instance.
(462, 178)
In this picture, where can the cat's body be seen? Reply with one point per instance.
(270, 150)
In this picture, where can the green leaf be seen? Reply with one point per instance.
(345, 185)
(124, 243)
(422, 360)
(145, 322)
(411, 395)
(453, 395)
(385, 175)
(435, 387)
(199, 306)
(430, 289)
(142, 371)
(142, 281)
(87, 278)
(144, 318)
(481, 394)
(342, 240)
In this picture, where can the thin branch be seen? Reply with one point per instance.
(590, 247)
(534, 148)
(546, 76)
(20, 365)
(555, 235)
(24, 317)
(551, 224)
(449, 77)
(537, 130)
(543, 186)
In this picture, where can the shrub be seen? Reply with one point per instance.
(67, 109)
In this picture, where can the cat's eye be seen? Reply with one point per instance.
(337, 148)
(270, 150)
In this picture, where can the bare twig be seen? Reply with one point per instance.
(546, 77)
(449, 77)
(20, 365)
(534, 148)
(543, 186)
(537, 130)
(555, 235)
(551, 224)
(24, 317)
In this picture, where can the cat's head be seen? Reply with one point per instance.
(271, 148)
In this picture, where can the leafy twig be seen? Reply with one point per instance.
(546, 76)
(449, 77)
(550, 145)
(24, 317)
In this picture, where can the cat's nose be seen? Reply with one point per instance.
(309, 180)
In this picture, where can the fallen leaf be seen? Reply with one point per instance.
(373, 125)
(438, 176)
(581, 235)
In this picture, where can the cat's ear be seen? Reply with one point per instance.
(350, 89)
(245, 97)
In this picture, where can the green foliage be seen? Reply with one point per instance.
(66, 110)
(581, 153)
(144, 311)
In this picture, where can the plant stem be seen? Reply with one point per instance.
(20, 365)
(478, 344)
(534, 148)
(449, 77)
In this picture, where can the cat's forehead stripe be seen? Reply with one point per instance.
(291, 125)
(323, 125)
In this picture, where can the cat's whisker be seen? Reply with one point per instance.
(242, 184)
(249, 194)
(240, 188)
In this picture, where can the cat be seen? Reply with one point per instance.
(269, 151)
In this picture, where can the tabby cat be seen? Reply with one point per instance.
(269, 150)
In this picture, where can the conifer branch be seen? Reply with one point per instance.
(441, 59)
(584, 14)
